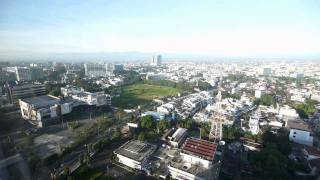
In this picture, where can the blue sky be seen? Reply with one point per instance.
(213, 27)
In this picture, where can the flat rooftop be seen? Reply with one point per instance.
(41, 101)
(299, 125)
(197, 170)
(136, 150)
(199, 148)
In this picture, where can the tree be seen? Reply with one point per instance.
(187, 123)
(231, 133)
(280, 139)
(267, 100)
(307, 108)
(203, 85)
(142, 136)
(116, 134)
(147, 122)
(205, 130)
(162, 125)
(272, 161)
(55, 92)
(269, 162)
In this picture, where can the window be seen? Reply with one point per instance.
(294, 136)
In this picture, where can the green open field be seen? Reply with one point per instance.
(138, 94)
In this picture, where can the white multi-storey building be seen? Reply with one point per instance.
(23, 73)
(97, 98)
(156, 60)
(95, 70)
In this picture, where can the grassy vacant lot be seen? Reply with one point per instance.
(137, 94)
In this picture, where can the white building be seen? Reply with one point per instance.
(42, 110)
(95, 70)
(254, 124)
(257, 93)
(178, 137)
(166, 108)
(152, 76)
(286, 112)
(97, 98)
(300, 132)
(23, 73)
(135, 154)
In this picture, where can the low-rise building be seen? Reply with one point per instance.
(97, 98)
(300, 132)
(196, 161)
(175, 138)
(186, 106)
(135, 154)
(41, 110)
(254, 124)
(15, 93)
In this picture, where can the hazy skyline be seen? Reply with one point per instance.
(218, 28)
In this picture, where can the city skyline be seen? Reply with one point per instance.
(211, 28)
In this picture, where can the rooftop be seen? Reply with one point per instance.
(312, 150)
(200, 148)
(178, 134)
(136, 150)
(300, 125)
(42, 101)
(195, 169)
(18, 87)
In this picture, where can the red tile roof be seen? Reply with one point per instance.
(200, 148)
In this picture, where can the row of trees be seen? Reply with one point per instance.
(149, 128)
(272, 161)
(183, 86)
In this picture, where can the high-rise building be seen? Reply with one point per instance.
(118, 68)
(267, 71)
(95, 70)
(156, 60)
(23, 73)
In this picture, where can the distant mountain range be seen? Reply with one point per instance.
(135, 56)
